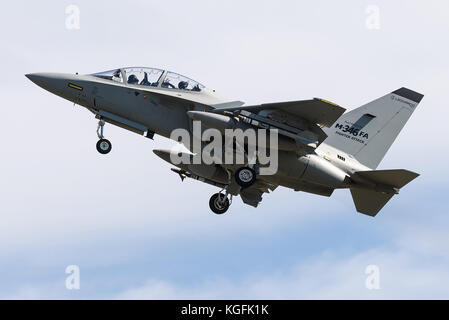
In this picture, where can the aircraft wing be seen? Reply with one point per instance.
(253, 194)
(301, 121)
(316, 111)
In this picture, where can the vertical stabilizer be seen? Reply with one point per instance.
(368, 131)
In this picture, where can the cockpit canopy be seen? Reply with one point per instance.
(151, 77)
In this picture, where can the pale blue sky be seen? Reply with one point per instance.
(136, 231)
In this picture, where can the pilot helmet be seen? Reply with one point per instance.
(132, 79)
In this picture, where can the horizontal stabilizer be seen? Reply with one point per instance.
(370, 202)
(394, 178)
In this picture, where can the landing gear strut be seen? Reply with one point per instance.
(219, 203)
(104, 146)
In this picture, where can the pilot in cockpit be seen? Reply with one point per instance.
(145, 81)
(183, 85)
(132, 79)
(167, 84)
(117, 76)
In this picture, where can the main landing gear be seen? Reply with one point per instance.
(104, 146)
(219, 203)
(245, 177)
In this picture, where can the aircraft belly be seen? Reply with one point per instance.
(309, 173)
(289, 166)
(212, 172)
(321, 172)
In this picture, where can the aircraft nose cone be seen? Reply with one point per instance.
(38, 78)
(53, 82)
(31, 76)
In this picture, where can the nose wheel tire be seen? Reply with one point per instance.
(104, 146)
(219, 203)
(245, 177)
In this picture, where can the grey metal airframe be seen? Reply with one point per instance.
(321, 147)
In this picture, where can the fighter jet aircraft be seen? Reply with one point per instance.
(320, 146)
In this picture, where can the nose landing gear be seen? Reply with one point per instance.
(104, 146)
